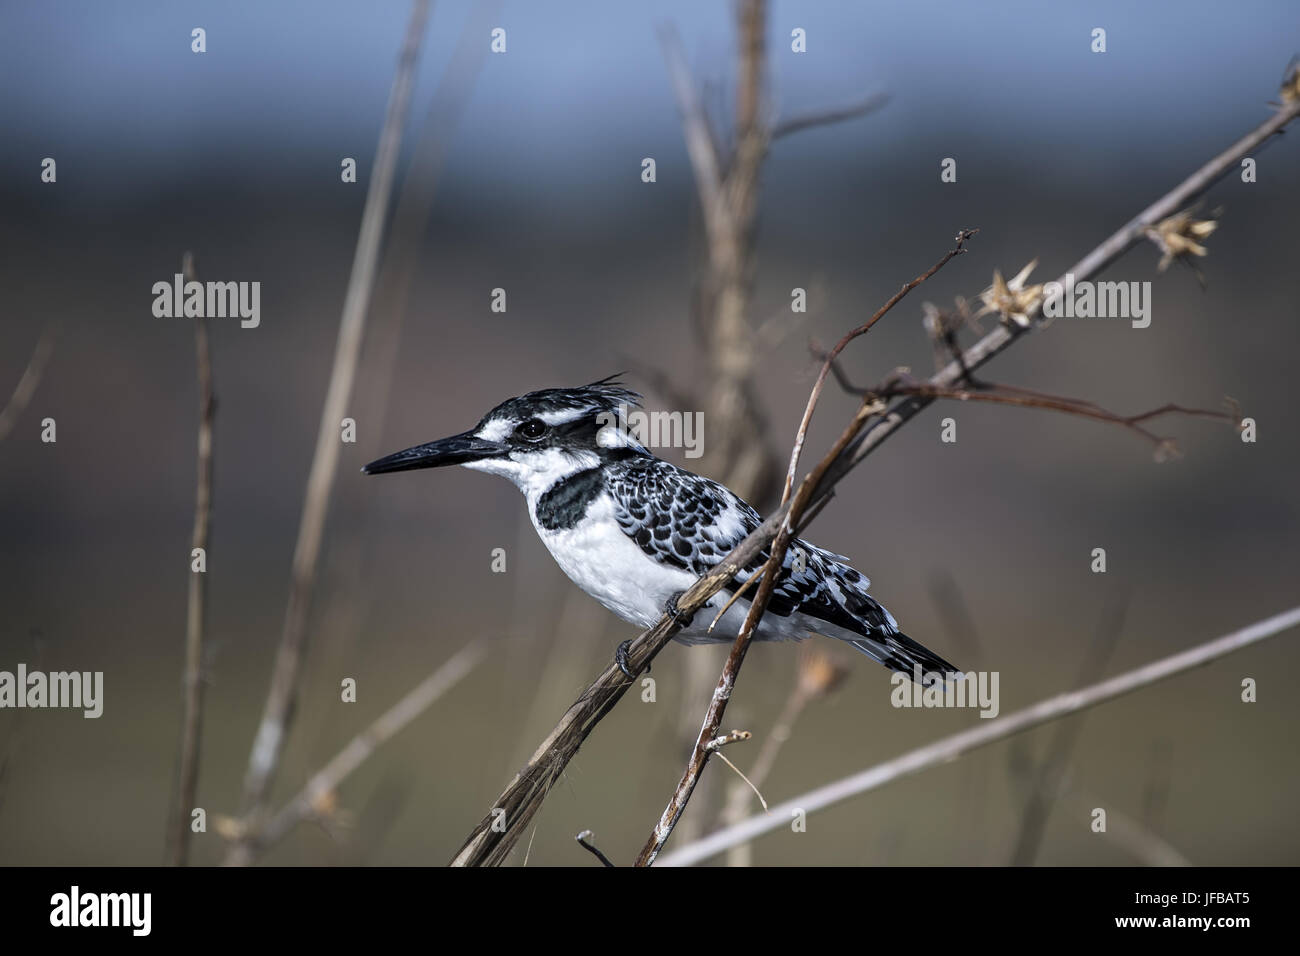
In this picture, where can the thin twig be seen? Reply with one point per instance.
(735, 737)
(863, 329)
(658, 381)
(802, 121)
(736, 596)
(958, 622)
(987, 732)
(900, 384)
(187, 771)
(725, 759)
(1125, 831)
(583, 841)
(699, 140)
(404, 244)
(1046, 783)
(817, 674)
(27, 384)
(277, 717)
(783, 322)
(342, 609)
(319, 788)
(733, 810)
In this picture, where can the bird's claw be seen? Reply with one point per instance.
(620, 658)
(672, 610)
(681, 617)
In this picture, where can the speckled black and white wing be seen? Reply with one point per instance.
(689, 522)
(677, 518)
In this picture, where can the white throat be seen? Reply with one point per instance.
(534, 472)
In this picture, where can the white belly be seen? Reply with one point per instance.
(599, 558)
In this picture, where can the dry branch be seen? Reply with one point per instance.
(342, 610)
(899, 383)
(999, 728)
(277, 717)
(817, 675)
(828, 362)
(1123, 239)
(187, 771)
(726, 683)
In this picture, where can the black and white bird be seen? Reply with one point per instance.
(635, 531)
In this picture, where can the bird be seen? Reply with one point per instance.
(634, 531)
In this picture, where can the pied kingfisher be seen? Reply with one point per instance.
(635, 531)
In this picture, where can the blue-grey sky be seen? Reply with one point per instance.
(120, 78)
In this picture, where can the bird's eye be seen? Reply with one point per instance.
(533, 429)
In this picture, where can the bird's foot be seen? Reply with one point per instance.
(620, 658)
(681, 617)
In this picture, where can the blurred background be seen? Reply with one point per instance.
(533, 160)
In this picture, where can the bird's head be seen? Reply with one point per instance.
(534, 439)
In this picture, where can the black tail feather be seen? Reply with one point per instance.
(900, 653)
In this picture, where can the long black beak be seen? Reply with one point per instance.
(456, 450)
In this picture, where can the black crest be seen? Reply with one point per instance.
(605, 395)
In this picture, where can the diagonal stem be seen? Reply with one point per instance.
(264, 759)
